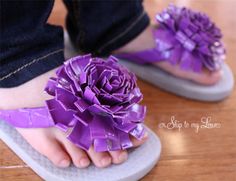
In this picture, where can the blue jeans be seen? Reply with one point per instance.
(29, 46)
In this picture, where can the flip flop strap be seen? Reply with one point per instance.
(98, 132)
(142, 57)
(27, 118)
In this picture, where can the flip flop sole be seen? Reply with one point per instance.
(140, 161)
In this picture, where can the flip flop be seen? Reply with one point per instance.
(188, 39)
(83, 112)
(141, 160)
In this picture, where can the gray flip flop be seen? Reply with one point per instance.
(140, 161)
(170, 83)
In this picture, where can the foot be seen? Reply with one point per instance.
(145, 41)
(52, 142)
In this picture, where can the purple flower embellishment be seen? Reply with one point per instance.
(189, 38)
(96, 103)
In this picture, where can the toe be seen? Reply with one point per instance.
(137, 142)
(78, 156)
(56, 153)
(100, 159)
(47, 145)
(205, 77)
(119, 156)
(122, 155)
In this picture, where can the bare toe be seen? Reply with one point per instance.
(205, 77)
(46, 144)
(78, 156)
(100, 159)
(56, 153)
(119, 156)
(137, 142)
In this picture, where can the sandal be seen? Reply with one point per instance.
(96, 103)
(188, 39)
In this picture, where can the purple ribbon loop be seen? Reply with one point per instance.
(102, 111)
(184, 36)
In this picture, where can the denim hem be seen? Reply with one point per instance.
(33, 68)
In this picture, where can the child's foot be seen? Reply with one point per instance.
(52, 142)
(145, 41)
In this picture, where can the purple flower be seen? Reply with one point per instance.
(96, 103)
(189, 38)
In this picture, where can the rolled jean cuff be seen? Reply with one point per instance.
(131, 31)
(30, 68)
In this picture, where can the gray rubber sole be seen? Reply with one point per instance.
(140, 161)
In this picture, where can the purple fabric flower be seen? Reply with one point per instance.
(96, 103)
(189, 38)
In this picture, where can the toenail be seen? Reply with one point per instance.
(105, 161)
(84, 162)
(145, 135)
(123, 156)
(221, 73)
(64, 163)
